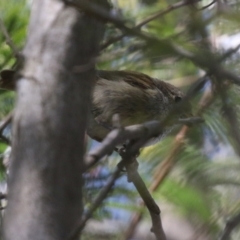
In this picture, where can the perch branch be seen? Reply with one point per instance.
(143, 132)
(154, 211)
(166, 165)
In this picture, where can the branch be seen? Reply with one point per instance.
(142, 132)
(228, 53)
(97, 11)
(3, 124)
(119, 136)
(205, 60)
(96, 203)
(230, 114)
(9, 40)
(208, 5)
(134, 177)
(170, 8)
(147, 20)
(164, 168)
(7, 119)
(230, 225)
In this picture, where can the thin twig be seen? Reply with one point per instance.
(9, 40)
(166, 165)
(229, 113)
(230, 225)
(205, 61)
(5, 121)
(3, 125)
(228, 53)
(142, 132)
(95, 11)
(165, 11)
(119, 136)
(96, 203)
(207, 6)
(146, 21)
(192, 120)
(134, 177)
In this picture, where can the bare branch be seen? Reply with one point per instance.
(229, 113)
(9, 40)
(3, 124)
(96, 203)
(205, 60)
(5, 121)
(166, 165)
(208, 5)
(158, 14)
(119, 136)
(134, 177)
(230, 225)
(228, 53)
(192, 120)
(98, 12)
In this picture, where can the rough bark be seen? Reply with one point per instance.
(45, 184)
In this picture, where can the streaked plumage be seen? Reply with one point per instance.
(134, 96)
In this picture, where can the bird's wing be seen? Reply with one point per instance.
(134, 79)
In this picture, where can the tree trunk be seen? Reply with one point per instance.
(45, 183)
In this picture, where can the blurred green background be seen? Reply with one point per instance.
(203, 188)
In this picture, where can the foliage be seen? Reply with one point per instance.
(204, 184)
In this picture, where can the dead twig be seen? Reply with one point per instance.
(207, 6)
(229, 113)
(205, 60)
(166, 165)
(229, 227)
(146, 21)
(96, 203)
(5, 122)
(228, 53)
(142, 132)
(154, 211)
(9, 41)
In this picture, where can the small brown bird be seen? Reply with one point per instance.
(134, 96)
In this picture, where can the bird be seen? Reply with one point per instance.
(133, 96)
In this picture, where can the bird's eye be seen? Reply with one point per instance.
(177, 99)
